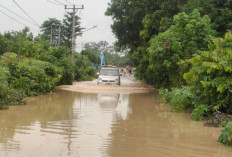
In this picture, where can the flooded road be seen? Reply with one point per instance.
(86, 120)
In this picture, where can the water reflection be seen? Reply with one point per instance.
(108, 101)
(152, 130)
(97, 125)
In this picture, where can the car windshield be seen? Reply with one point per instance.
(109, 72)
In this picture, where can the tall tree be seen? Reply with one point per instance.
(47, 26)
(99, 47)
(67, 29)
(134, 19)
(127, 16)
(219, 11)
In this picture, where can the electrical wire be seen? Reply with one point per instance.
(59, 2)
(25, 12)
(17, 15)
(69, 2)
(100, 30)
(18, 21)
(55, 3)
(89, 29)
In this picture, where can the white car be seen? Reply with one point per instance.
(109, 76)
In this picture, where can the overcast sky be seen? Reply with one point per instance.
(41, 10)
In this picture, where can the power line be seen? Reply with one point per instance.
(17, 15)
(100, 30)
(17, 20)
(59, 2)
(89, 29)
(69, 2)
(26, 13)
(55, 3)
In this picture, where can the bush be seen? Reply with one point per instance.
(179, 99)
(189, 34)
(85, 74)
(56, 56)
(4, 74)
(210, 76)
(10, 97)
(83, 70)
(199, 111)
(31, 76)
(226, 136)
(209, 82)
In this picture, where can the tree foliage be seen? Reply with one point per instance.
(226, 134)
(209, 76)
(189, 34)
(29, 66)
(31, 76)
(208, 81)
(67, 29)
(53, 24)
(177, 53)
(218, 10)
(47, 26)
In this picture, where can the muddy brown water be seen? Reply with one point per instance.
(86, 120)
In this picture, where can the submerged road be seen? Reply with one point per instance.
(86, 120)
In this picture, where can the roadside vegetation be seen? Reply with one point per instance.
(184, 49)
(33, 65)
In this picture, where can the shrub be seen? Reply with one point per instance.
(10, 97)
(4, 74)
(56, 56)
(31, 76)
(179, 99)
(83, 70)
(210, 76)
(189, 34)
(199, 111)
(85, 73)
(226, 136)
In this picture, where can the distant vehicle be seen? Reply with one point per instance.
(109, 75)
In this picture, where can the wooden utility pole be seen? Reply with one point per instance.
(75, 8)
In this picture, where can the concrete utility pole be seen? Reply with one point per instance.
(75, 8)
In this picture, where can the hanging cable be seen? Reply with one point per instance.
(26, 13)
(17, 15)
(17, 21)
(69, 2)
(89, 29)
(55, 3)
(59, 2)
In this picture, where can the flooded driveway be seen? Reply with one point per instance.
(86, 120)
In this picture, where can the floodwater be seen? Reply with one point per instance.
(86, 120)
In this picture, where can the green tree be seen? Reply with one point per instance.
(47, 26)
(57, 56)
(29, 75)
(15, 41)
(3, 44)
(189, 34)
(93, 57)
(99, 47)
(210, 76)
(83, 69)
(218, 10)
(67, 29)
(127, 16)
